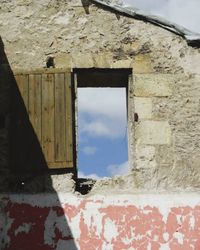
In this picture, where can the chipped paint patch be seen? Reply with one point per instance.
(24, 228)
(95, 224)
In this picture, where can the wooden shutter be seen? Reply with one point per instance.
(42, 120)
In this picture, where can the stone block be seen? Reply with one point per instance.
(80, 60)
(145, 156)
(103, 60)
(165, 155)
(153, 85)
(153, 133)
(143, 107)
(60, 183)
(63, 60)
(142, 64)
(123, 64)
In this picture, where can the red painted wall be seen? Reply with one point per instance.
(27, 224)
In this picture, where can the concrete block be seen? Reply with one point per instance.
(153, 85)
(143, 107)
(153, 133)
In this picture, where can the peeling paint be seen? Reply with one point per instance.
(94, 224)
(24, 228)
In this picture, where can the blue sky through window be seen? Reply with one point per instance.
(102, 132)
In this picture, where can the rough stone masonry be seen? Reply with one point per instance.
(159, 197)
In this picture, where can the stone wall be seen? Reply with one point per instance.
(164, 92)
(165, 84)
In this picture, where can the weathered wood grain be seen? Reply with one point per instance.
(60, 118)
(69, 128)
(46, 104)
(35, 102)
(48, 118)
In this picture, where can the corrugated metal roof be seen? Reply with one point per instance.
(192, 38)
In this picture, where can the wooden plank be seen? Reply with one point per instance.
(40, 71)
(48, 100)
(69, 127)
(59, 165)
(48, 116)
(60, 118)
(35, 102)
(23, 86)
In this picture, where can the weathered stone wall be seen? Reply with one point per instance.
(32, 31)
(166, 79)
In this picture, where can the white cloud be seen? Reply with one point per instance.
(118, 169)
(89, 176)
(102, 112)
(88, 150)
(112, 170)
(109, 102)
(103, 128)
(96, 128)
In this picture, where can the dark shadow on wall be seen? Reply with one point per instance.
(23, 172)
(86, 4)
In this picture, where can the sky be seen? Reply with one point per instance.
(182, 12)
(102, 122)
(102, 132)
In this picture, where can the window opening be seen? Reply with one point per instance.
(102, 124)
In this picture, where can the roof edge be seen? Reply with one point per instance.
(192, 38)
